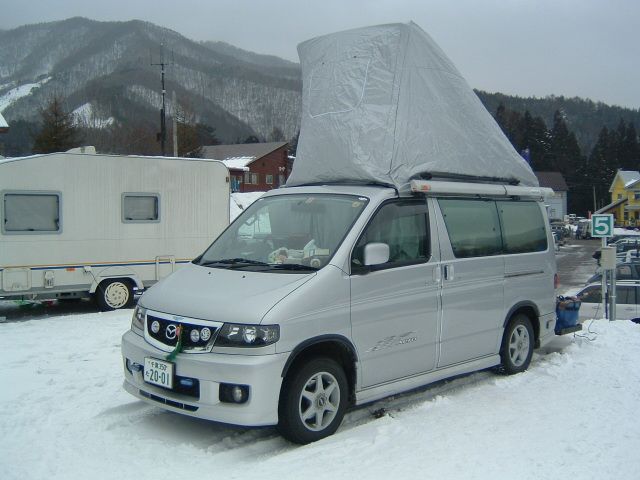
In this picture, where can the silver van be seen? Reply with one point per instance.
(320, 297)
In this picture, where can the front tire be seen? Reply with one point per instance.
(114, 294)
(313, 401)
(517, 345)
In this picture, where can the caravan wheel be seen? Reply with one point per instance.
(114, 294)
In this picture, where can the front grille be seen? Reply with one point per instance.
(166, 333)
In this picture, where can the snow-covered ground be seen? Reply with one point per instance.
(573, 414)
(85, 116)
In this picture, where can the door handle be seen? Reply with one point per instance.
(448, 272)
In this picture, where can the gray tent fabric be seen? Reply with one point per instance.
(384, 104)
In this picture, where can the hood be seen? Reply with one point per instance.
(221, 295)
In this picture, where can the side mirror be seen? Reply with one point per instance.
(376, 253)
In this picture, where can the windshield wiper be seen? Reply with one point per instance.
(292, 266)
(233, 262)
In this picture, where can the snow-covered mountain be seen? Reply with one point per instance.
(104, 70)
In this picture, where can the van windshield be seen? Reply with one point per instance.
(285, 233)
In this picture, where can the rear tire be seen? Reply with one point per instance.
(517, 345)
(313, 401)
(114, 294)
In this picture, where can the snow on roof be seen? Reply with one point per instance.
(3, 123)
(629, 177)
(238, 163)
(227, 152)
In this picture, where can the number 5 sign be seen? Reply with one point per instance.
(602, 225)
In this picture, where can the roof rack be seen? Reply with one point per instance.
(478, 189)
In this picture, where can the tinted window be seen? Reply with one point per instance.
(523, 228)
(473, 226)
(140, 208)
(31, 212)
(402, 226)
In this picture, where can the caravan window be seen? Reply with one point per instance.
(31, 212)
(140, 207)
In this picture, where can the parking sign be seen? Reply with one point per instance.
(602, 225)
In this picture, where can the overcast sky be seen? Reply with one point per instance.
(585, 48)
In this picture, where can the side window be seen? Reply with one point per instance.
(624, 272)
(591, 295)
(523, 227)
(140, 207)
(31, 212)
(625, 295)
(403, 226)
(473, 227)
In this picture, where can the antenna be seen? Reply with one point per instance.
(162, 136)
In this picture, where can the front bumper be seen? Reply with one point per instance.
(262, 373)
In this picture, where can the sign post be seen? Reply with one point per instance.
(602, 226)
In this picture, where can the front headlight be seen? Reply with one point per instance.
(233, 335)
(137, 322)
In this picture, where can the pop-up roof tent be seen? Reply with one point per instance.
(384, 104)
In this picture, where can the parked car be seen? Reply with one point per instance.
(583, 231)
(625, 244)
(627, 297)
(629, 256)
(624, 271)
(561, 231)
(317, 297)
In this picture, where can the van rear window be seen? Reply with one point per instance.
(523, 227)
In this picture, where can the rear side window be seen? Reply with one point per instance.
(31, 212)
(523, 227)
(140, 207)
(401, 225)
(473, 226)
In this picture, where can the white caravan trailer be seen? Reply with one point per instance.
(75, 225)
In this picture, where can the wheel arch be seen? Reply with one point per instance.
(115, 275)
(529, 309)
(336, 347)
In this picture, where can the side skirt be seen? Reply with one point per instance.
(381, 391)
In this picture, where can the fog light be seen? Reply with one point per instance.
(133, 366)
(233, 393)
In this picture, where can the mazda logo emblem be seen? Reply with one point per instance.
(170, 331)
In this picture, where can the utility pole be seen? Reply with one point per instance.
(175, 124)
(162, 136)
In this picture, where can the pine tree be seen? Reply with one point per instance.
(602, 166)
(58, 132)
(564, 152)
(532, 135)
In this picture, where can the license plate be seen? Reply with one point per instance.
(158, 372)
